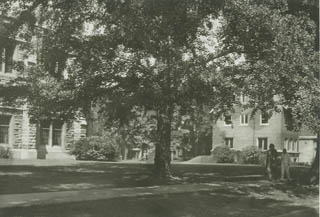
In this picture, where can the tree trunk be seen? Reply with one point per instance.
(315, 165)
(193, 140)
(93, 124)
(163, 153)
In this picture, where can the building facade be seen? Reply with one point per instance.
(240, 129)
(25, 139)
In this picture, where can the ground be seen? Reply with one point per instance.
(118, 189)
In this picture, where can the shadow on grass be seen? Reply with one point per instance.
(198, 204)
(26, 179)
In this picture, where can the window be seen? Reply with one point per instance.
(244, 99)
(285, 143)
(229, 142)
(51, 133)
(264, 119)
(293, 145)
(45, 132)
(227, 120)
(263, 143)
(83, 130)
(244, 119)
(56, 134)
(2, 59)
(6, 59)
(290, 144)
(4, 129)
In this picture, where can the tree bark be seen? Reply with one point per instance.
(94, 127)
(193, 140)
(162, 158)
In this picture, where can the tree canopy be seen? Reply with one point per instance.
(167, 55)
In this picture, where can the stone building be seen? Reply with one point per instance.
(25, 139)
(240, 129)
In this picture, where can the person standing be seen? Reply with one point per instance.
(285, 165)
(271, 162)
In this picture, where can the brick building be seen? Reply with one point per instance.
(25, 139)
(238, 130)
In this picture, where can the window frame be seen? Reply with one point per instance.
(264, 145)
(246, 118)
(2, 60)
(7, 126)
(244, 99)
(224, 120)
(261, 118)
(228, 141)
(52, 132)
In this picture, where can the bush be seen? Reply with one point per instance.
(252, 155)
(5, 153)
(223, 154)
(95, 148)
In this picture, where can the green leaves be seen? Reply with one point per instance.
(156, 54)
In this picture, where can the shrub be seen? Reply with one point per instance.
(5, 153)
(252, 155)
(95, 148)
(223, 154)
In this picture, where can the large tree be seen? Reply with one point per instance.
(169, 54)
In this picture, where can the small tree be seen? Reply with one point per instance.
(223, 154)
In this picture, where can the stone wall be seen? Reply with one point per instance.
(23, 136)
(15, 126)
(32, 138)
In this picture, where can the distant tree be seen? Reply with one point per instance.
(192, 127)
(280, 66)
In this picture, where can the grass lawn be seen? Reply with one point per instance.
(242, 199)
(26, 179)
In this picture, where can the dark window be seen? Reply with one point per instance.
(263, 143)
(4, 129)
(44, 133)
(6, 59)
(264, 118)
(53, 129)
(229, 142)
(227, 120)
(56, 134)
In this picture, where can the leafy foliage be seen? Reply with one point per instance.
(155, 55)
(223, 154)
(5, 153)
(278, 54)
(252, 155)
(96, 148)
(137, 132)
(192, 130)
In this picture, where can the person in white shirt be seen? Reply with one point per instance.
(285, 165)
